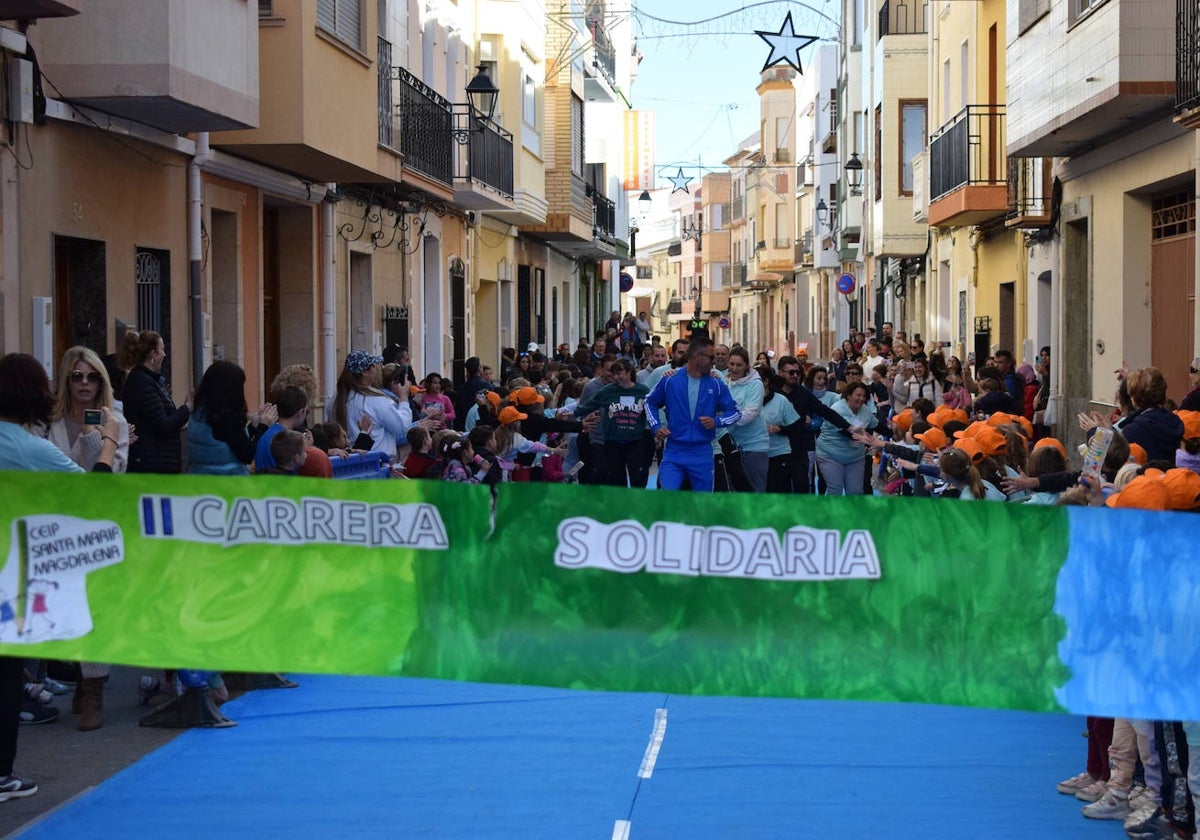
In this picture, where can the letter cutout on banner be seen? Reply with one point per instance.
(987, 604)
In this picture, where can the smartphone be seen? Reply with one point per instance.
(93, 417)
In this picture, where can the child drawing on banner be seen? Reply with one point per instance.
(39, 608)
(7, 614)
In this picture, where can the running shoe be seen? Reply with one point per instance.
(1076, 783)
(1113, 805)
(55, 687)
(1092, 792)
(14, 787)
(34, 713)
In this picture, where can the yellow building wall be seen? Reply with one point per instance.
(86, 185)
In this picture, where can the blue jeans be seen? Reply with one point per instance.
(841, 478)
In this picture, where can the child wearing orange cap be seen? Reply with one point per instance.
(1188, 453)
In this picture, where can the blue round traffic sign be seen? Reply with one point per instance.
(724, 323)
(626, 282)
(845, 284)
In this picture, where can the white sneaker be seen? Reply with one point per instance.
(1113, 805)
(1075, 783)
(1092, 792)
(1141, 808)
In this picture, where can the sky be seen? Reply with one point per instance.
(701, 63)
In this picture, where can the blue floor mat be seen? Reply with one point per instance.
(425, 758)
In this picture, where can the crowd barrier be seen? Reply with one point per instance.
(361, 465)
(864, 598)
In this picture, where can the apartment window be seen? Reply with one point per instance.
(1030, 12)
(782, 125)
(1078, 9)
(576, 135)
(529, 101)
(913, 131)
(266, 8)
(878, 167)
(342, 19)
(783, 231)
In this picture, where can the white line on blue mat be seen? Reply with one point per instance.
(621, 830)
(656, 739)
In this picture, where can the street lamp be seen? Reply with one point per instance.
(822, 211)
(482, 95)
(644, 202)
(854, 170)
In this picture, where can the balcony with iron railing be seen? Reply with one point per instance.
(484, 174)
(737, 208)
(606, 215)
(1030, 193)
(804, 249)
(906, 17)
(737, 274)
(968, 175)
(426, 129)
(1187, 60)
(603, 52)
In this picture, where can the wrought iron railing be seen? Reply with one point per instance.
(387, 113)
(487, 156)
(426, 124)
(737, 273)
(606, 215)
(737, 207)
(605, 53)
(902, 18)
(1187, 54)
(968, 151)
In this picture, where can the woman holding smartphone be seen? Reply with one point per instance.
(84, 390)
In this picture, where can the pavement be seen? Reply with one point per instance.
(66, 762)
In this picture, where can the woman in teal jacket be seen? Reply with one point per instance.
(840, 458)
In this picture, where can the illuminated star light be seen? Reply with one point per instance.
(785, 44)
(681, 182)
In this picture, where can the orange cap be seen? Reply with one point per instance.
(494, 401)
(526, 396)
(935, 439)
(960, 414)
(903, 420)
(940, 415)
(1000, 418)
(1055, 442)
(509, 414)
(989, 439)
(1191, 423)
(1184, 486)
(974, 450)
(1138, 454)
(1143, 493)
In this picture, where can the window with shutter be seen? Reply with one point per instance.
(576, 135)
(342, 19)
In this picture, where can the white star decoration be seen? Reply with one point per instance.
(681, 182)
(785, 44)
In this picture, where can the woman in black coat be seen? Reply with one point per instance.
(149, 408)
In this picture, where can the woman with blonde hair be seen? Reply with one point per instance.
(84, 386)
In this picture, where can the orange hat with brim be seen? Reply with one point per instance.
(1055, 442)
(940, 416)
(1002, 418)
(1138, 454)
(989, 439)
(903, 421)
(1191, 423)
(509, 414)
(1143, 493)
(974, 450)
(935, 439)
(494, 401)
(526, 396)
(1185, 488)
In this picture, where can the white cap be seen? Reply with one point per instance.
(532, 348)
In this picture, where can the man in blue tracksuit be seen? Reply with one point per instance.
(696, 403)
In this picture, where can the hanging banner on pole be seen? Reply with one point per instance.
(639, 151)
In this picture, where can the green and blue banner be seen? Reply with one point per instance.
(911, 600)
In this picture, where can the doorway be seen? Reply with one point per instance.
(80, 296)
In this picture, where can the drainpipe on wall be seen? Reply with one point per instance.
(11, 292)
(328, 337)
(195, 199)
